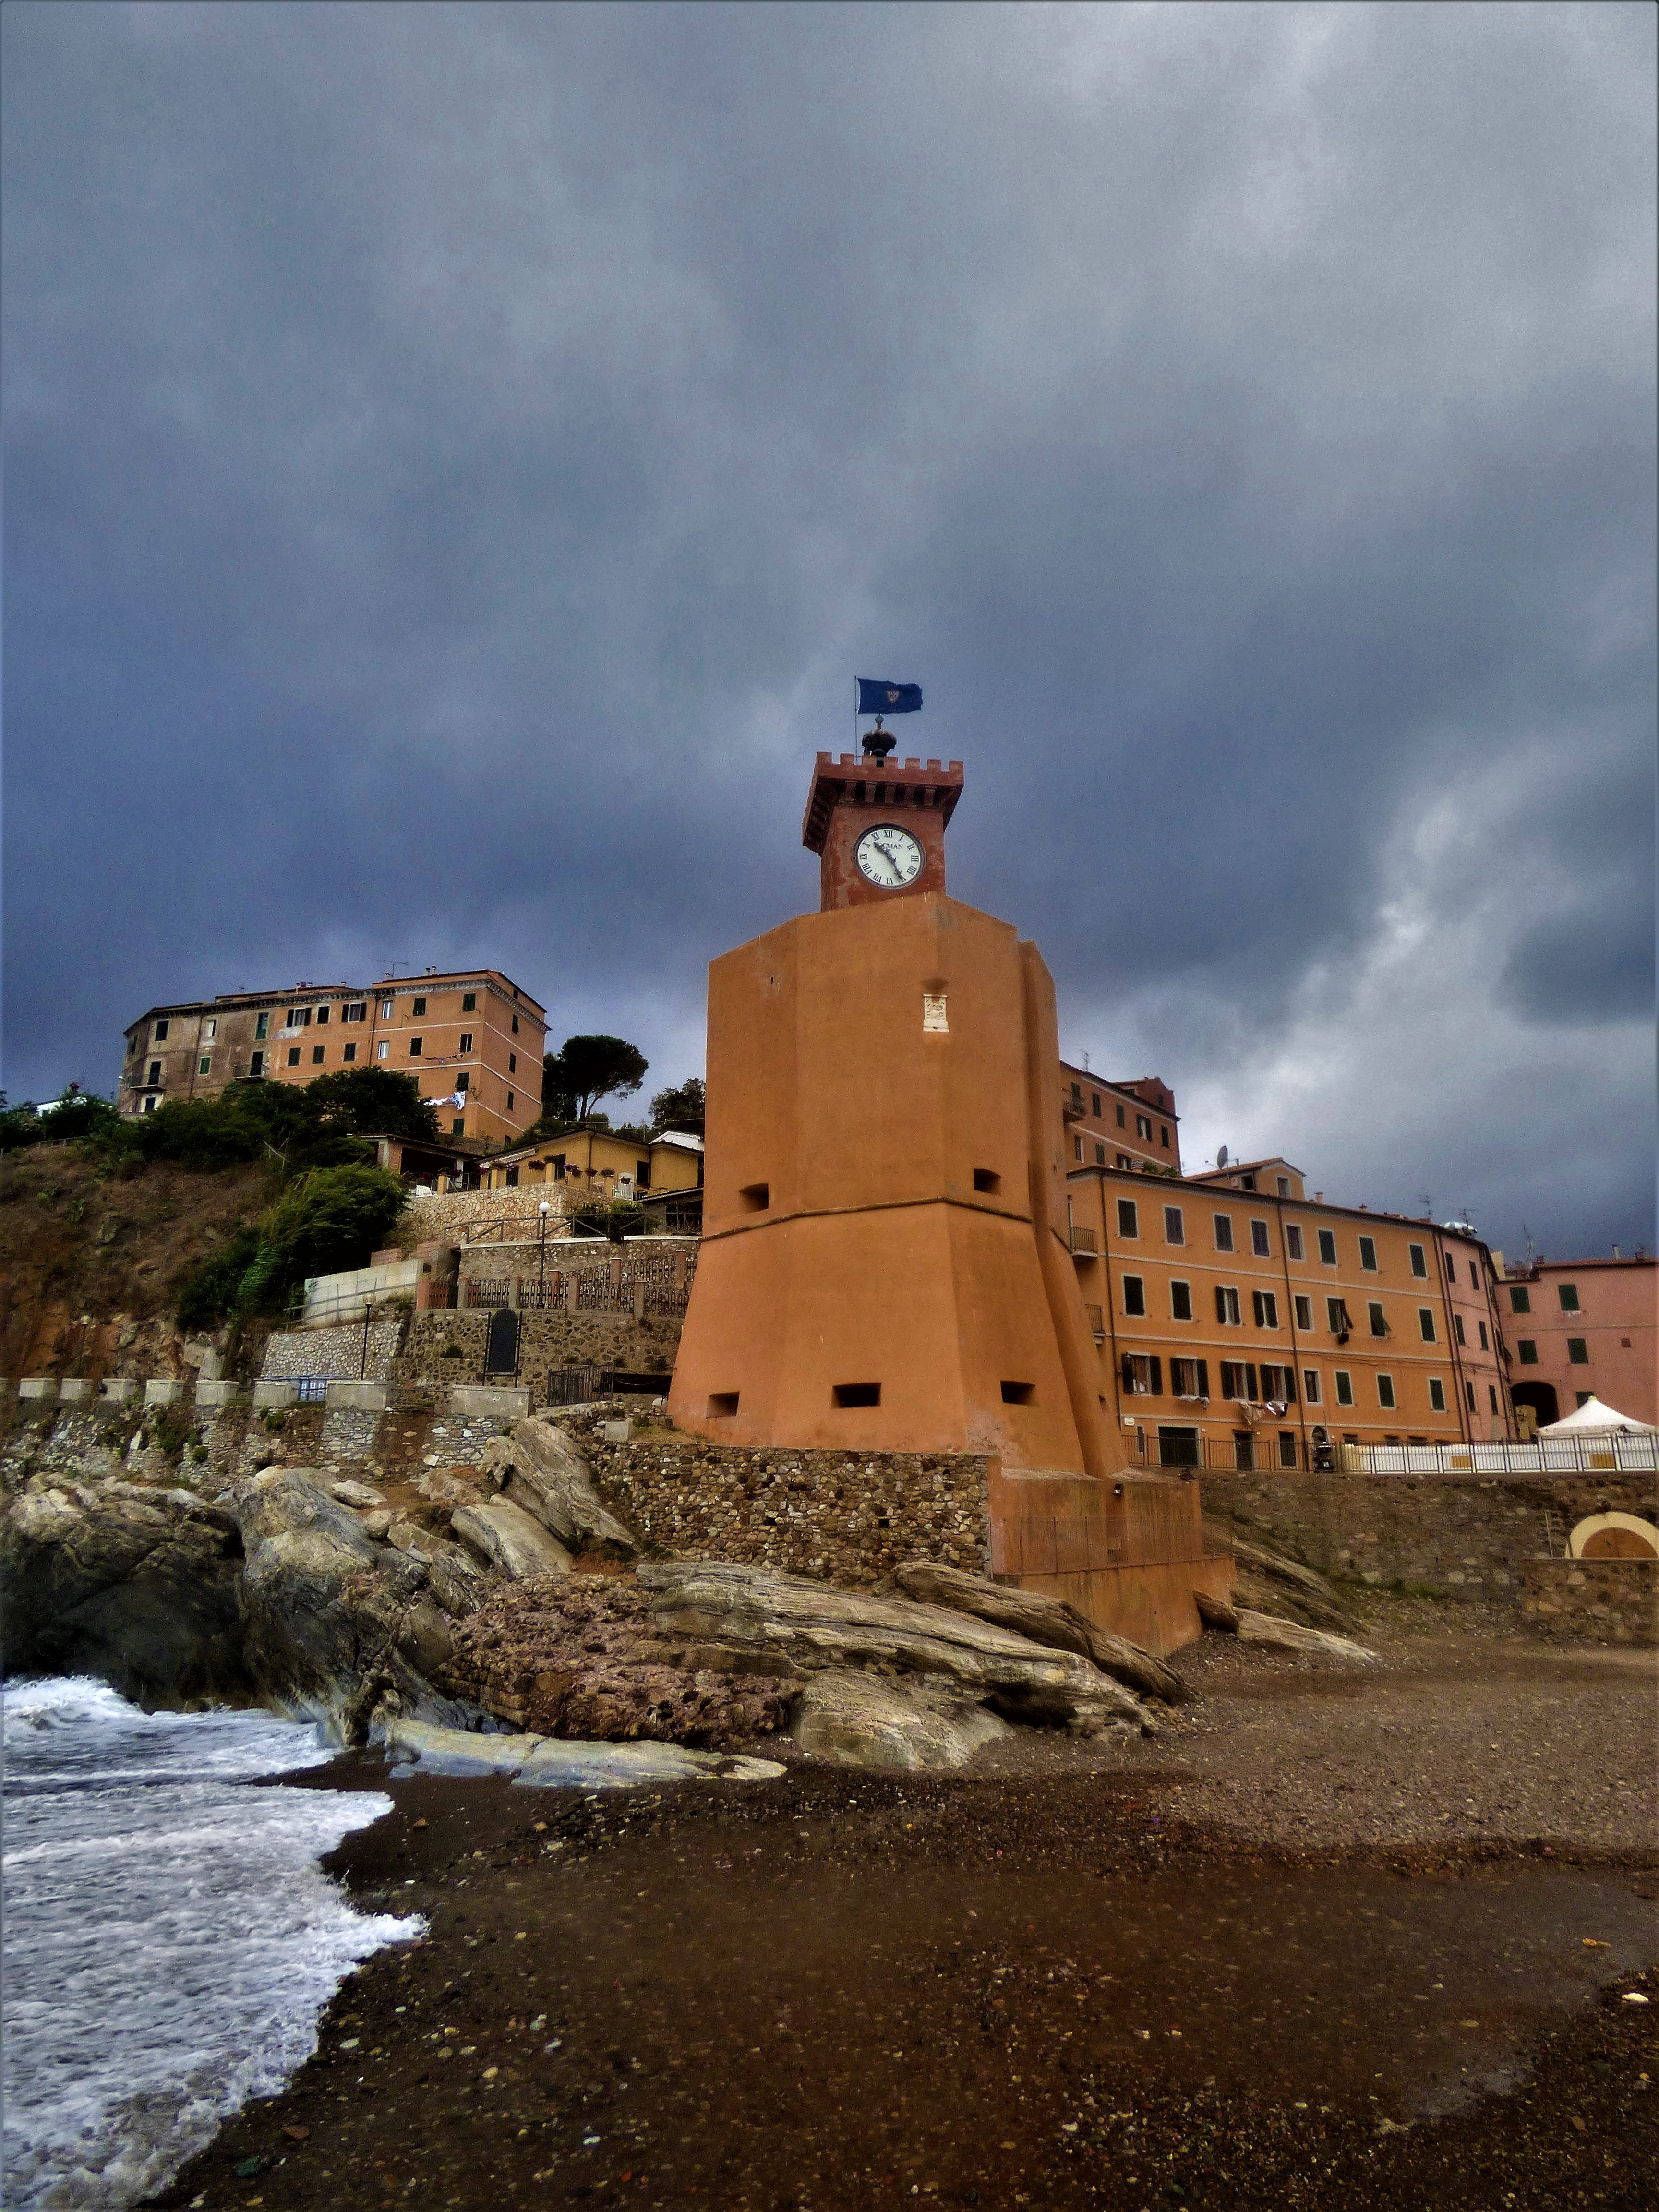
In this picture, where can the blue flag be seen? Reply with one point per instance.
(879, 698)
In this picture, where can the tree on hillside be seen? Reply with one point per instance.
(681, 1107)
(587, 1069)
(373, 1100)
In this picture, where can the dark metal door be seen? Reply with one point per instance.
(501, 1357)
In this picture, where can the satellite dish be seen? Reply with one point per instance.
(1221, 1157)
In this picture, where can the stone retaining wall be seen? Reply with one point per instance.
(436, 1219)
(851, 1517)
(546, 1340)
(336, 1353)
(1592, 1601)
(1463, 1539)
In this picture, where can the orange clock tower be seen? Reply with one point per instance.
(885, 1264)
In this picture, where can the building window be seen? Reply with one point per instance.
(210, 1028)
(1283, 1183)
(1129, 1218)
(316, 1052)
(349, 1052)
(1436, 1395)
(204, 1065)
(262, 1026)
(150, 1105)
(1485, 1344)
(1567, 1293)
(1258, 1245)
(414, 1047)
(510, 1102)
(1468, 1388)
(1336, 1316)
(1124, 1161)
(297, 1018)
(322, 1016)
(1143, 1127)
(1310, 1385)
(1527, 1351)
(1577, 1351)
(385, 1009)
(356, 1011)
(1189, 1378)
(1181, 1301)
(1077, 1148)
(1122, 1123)
(1327, 1247)
(1292, 1240)
(1378, 1320)
(1224, 1232)
(512, 1063)
(1457, 1329)
(257, 1065)
(1492, 1392)
(515, 1025)
(466, 1041)
(1237, 1379)
(464, 1080)
(1344, 1387)
(1265, 1306)
(1094, 1103)
(417, 1010)
(1368, 1254)
(1385, 1390)
(1100, 1156)
(382, 1050)
(1134, 1295)
(1279, 1383)
(1143, 1374)
(1425, 1322)
(1519, 1301)
(294, 1055)
(1419, 1259)
(1304, 1313)
(1226, 1307)
(469, 1002)
(1163, 1135)
(458, 1127)
(159, 1034)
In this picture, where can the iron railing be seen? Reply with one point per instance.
(1264, 1451)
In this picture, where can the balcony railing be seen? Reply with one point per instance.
(1085, 1242)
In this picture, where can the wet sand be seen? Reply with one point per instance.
(1081, 1975)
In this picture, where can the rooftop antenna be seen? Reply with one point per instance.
(1425, 1201)
(1527, 1233)
(393, 966)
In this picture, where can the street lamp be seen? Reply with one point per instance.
(544, 1209)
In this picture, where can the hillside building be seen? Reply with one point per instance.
(473, 1039)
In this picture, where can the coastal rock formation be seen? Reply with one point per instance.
(855, 1719)
(712, 1614)
(1048, 1620)
(504, 1536)
(541, 1762)
(538, 1468)
(1268, 1583)
(572, 1657)
(138, 1586)
(1293, 1636)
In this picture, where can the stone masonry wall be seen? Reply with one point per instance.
(1464, 1540)
(546, 1340)
(850, 1517)
(336, 1353)
(1592, 1601)
(436, 1219)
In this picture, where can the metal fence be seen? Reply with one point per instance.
(1620, 1452)
(1263, 1451)
(640, 1284)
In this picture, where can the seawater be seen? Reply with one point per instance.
(170, 1940)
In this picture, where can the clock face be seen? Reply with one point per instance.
(888, 856)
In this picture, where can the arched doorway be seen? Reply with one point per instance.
(1613, 1536)
(1541, 1398)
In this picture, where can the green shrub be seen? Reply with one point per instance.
(330, 1219)
(171, 1427)
(209, 1292)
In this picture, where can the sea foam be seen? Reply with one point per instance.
(170, 1940)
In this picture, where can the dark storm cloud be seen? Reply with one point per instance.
(458, 458)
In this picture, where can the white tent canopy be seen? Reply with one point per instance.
(1593, 1418)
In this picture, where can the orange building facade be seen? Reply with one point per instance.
(1244, 1328)
(1582, 1328)
(472, 1038)
(1123, 1124)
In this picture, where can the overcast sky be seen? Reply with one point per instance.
(458, 458)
